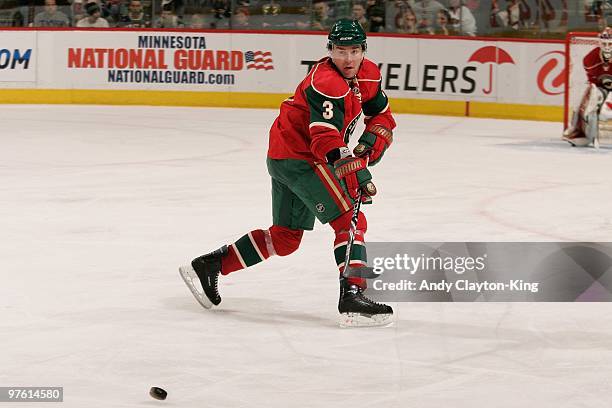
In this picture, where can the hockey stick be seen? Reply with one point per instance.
(362, 271)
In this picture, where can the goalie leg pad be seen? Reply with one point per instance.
(591, 128)
(584, 127)
(594, 100)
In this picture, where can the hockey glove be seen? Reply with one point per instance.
(374, 141)
(353, 172)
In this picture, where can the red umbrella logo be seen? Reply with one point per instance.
(491, 55)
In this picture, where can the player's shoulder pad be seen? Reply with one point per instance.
(592, 59)
(326, 80)
(369, 72)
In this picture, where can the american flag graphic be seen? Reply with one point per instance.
(258, 60)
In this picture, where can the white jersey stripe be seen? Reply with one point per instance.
(269, 244)
(239, 256)
(355, 242)
(345, 205)
(313, 87)
(256, 247)
(352, 262)
(323, 124)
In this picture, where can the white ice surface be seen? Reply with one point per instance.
(100, 205)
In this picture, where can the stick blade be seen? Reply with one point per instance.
(365, 272)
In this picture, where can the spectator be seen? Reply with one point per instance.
(270, 9)
(427, 12)
(443, 23)
(592, 10)
(321, 18)
(94, 17)
(135, 17)
(272, 18)
(77, 11)
(461, 18)
(514, 16)
(343, 8)
(473, 5)
(197, 22)
(302, 20)
(19, 13)
(222, 10)
(359, 14)
(240, 19)
(17, 19)
(375, 12)
(401, 5)
(406, 22)
(168, 19)
(596, 11)
(51, 16)
(113, 11)
(563, 21)
(547, 13)
(177, 5)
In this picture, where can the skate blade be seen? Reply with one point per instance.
(190, 278)
(359, 320)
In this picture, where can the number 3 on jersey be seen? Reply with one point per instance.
(328, 110)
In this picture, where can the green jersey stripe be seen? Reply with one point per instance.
(248, 251)
(376, 105)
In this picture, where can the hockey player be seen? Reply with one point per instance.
(584, 127)
(314, 174)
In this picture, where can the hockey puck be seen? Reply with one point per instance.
(158, 393)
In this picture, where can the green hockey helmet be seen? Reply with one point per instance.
(347, 32)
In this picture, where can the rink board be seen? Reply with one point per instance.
(452, 76)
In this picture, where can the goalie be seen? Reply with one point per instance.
(585, 124)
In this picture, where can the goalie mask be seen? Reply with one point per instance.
(605, 44)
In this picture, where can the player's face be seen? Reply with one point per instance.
(347, 58)
(606, 48)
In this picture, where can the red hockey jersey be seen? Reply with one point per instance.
(597, 71)
(324, 111)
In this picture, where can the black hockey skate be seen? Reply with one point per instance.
(204, 269)
(356, 310)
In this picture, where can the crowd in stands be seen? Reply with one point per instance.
(434, 17)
